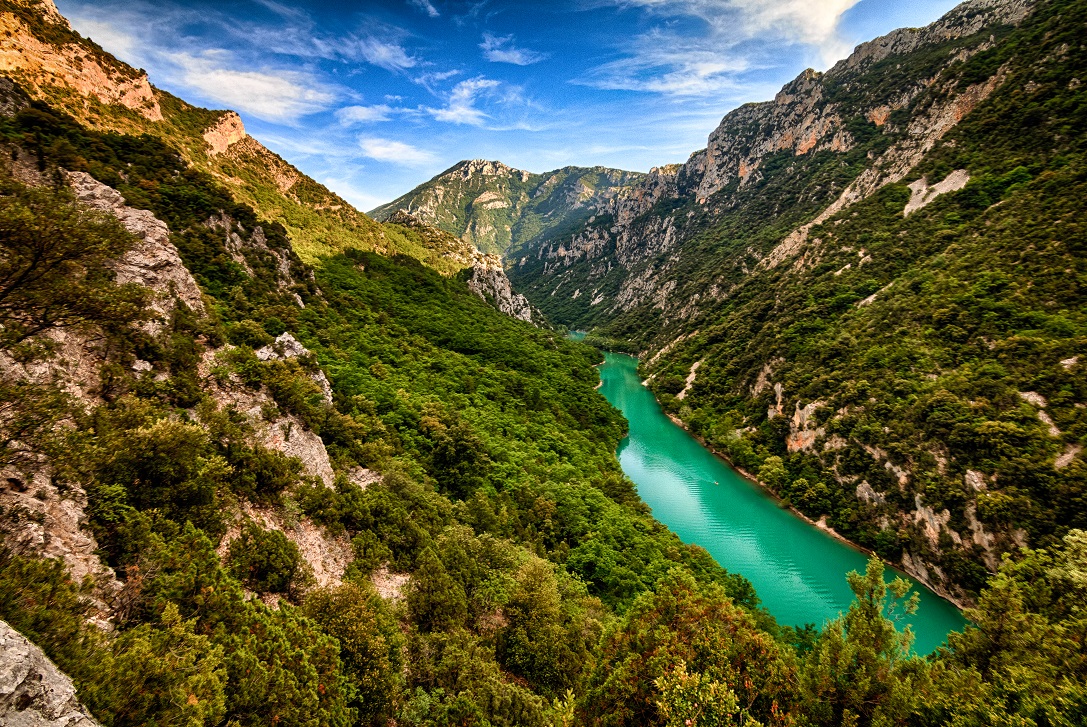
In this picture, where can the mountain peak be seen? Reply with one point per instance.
(488, 168)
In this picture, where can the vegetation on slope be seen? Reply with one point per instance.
(924, 361)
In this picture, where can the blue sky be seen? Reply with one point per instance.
(373, 98)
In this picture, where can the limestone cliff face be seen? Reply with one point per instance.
(36, 63)
(495, 207)
(490, 283)
(630, 253)
(33, 691)
(226, 132)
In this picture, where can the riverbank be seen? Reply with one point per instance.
(821, 523)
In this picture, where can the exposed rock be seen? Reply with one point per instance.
(490, 283)
(975, 481)
(328, 556)
(92, 74)
(390, 586)
(287, 346)
(866, 493)
(283, 432)
(33, 691)
(36, 518)
(1068, 363)
(921, 194)
(154, 263)
(801, 436)
(1069, 454)
(227, 131)
(931, 522)
(363, 477)
(1034, 398)
(690, 381)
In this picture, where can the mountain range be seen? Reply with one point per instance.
(267, 460)
(841, 293)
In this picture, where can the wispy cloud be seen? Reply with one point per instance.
(389, 55)
(274, 95)
(461, 106)
(657, 63)
(499, 49)
(353, 115)
(426, 6)
(394, 152)
(730, 37)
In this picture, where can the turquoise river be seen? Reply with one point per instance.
(798, 570)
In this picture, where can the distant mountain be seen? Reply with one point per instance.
(498, 208)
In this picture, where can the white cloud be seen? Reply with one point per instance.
(282, 96)
(382, 53)
(394, 152)
(426, 6)
(352, 115)
(501, 50)
(732, 36)
(461, 106)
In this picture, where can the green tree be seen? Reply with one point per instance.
(861, 672)
(370, 646)
(436, 601)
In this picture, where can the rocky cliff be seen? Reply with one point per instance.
(33, 691)
(790, 279)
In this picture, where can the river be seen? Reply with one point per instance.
(798, 570)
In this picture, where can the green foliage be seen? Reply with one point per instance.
(370, 647)
(687, 626)
(265, 561)
(860, 671)
(53, 271)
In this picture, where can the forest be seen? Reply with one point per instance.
(541, 591)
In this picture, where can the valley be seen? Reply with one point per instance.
(267, 459)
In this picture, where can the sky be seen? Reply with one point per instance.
(373, 98)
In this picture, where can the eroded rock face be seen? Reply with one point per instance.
(490, 283)
(327, 555)
(229, 130)
(88, 73)
(39, 519)
(155, 263)
(807, 116)
(282, 432)
(287, 346)
(33, 691)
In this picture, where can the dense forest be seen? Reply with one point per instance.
(500, 569)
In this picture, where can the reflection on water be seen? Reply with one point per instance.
(797, 570)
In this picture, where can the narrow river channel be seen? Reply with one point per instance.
(798, 570)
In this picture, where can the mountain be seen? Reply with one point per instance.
(240, 488)
(868, 292)
(498, 209)
(40, 51)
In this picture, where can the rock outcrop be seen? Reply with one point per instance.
(226, 132)
(155, 262)
(33, 691)
(90, 73)
(490, 283)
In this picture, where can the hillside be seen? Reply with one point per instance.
(40, 51)
(499, 209)
(878, 276)
(240, 488)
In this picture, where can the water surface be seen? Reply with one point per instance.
(798, 570)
